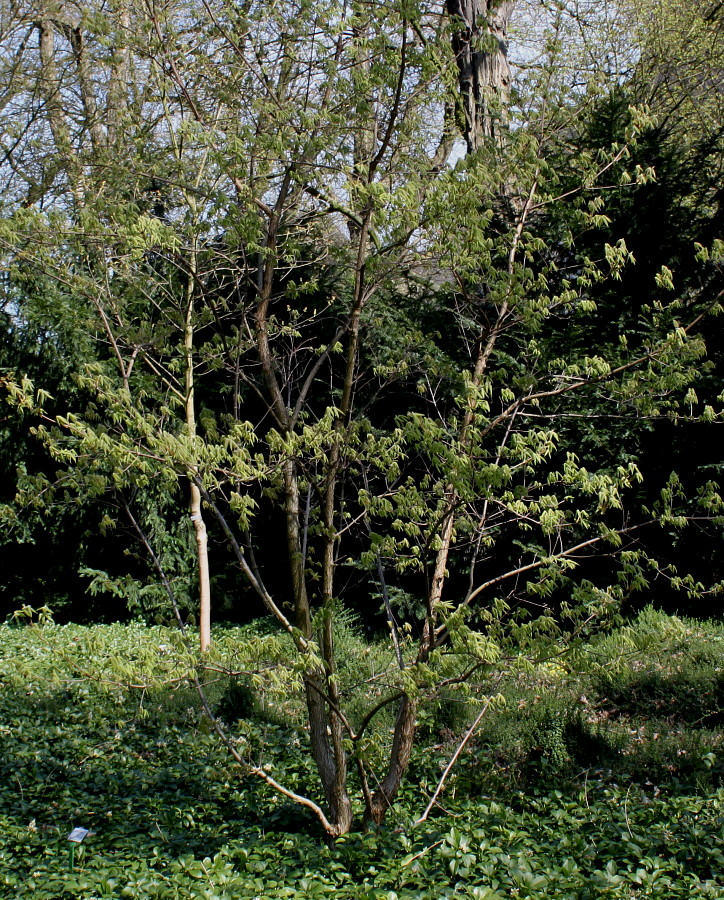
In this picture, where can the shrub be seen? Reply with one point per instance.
(664, 667)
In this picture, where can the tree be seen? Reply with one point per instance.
(73, 89)
(325, 329)
(480, 44)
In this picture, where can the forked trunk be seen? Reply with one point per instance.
(324, 725)
(402, 744)
(332, 775)
(480, 46)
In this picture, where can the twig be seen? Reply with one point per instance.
(217, 726)
(625, 812)
(454, 759)
(411, 860)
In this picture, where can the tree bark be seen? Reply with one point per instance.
(481, 50)
(120, 73)
(402, 744)
(57, 119)
(86, 87)
(325, 728)
(404, 737)
(202, 543)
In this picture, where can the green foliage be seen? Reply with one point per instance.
(237, 701)
(394, 373)
(666, 668)
(642, 704)
(172, 816)
(688, 692)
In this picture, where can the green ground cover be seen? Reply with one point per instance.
(606, 784)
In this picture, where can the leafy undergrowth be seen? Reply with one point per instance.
(642, 706)
(172, 817)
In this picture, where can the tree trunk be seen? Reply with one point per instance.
(481, 51)
(57, 119)
(331, 774)
(120, 73)
(402, 744)
(86, 87)
(202, 552)
(320, 687)
(202, 545)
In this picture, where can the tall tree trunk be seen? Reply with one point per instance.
(325, 729)
(120, 74)
(481, 50)
(479, 42)
(202, 543)
(404, 736)
(57, 119)
(74, 34)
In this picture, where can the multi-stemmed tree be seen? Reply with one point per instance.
(339, 329)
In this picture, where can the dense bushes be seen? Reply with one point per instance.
(675, 672)
(641, 705)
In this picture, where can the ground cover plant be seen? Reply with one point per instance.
(640, 705)
(101, 729)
